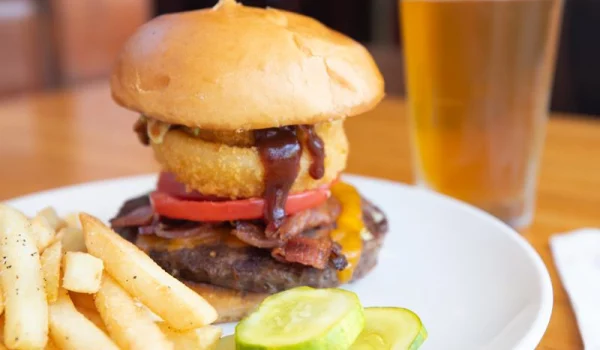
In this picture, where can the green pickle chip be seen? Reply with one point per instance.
(303, 318)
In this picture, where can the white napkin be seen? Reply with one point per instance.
(577, 258)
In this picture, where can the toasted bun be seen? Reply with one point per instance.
(231, 305)
(234, 67)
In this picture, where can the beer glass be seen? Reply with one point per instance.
(479, 75)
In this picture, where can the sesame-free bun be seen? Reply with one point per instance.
(234, 67)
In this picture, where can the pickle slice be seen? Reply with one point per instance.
(390, 328)
(303, 318)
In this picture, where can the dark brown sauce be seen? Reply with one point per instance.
(315, 147)
(280, 153)
(280, 150)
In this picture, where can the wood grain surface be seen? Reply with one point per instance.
(69, 137)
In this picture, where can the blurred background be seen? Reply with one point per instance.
(51, 44)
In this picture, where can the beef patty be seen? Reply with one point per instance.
(220, 259)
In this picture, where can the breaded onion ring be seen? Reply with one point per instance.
(230, 138)
(237, 172)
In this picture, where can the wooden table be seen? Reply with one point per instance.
(69, 137)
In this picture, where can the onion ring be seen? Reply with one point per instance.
(234, 172)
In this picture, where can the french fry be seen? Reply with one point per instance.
(1, 300)
(84, 303)
(26, 309)
(72, 239)
(94, 316)
(42, 232)
(52, 217)
(50, 260)
(82, 272)
(71, 330)
(2, 347)
(129, 325)
(151, 314)
(51, 345)
(140, 276)
(72, 220)
(205, 338)
(83, 300)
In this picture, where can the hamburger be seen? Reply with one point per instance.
(244, 108)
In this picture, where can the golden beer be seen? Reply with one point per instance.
(479, 75)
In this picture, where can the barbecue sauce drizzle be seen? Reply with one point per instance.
(280, 150)
(315, 147)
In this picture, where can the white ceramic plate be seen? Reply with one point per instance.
(474, 281)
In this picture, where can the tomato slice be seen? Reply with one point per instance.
(243, 209)
(173, 200)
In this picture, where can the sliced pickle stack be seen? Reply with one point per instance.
(307, 318)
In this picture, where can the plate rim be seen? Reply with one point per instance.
(537, 329)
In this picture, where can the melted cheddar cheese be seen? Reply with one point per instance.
(350, 227)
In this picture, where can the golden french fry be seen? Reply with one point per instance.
(72, 220)
(82, 272)
(84, 303)
(1, 300)
(71, 330)
(2, 347)
(72, 239)
(127, 324)
(51, 259)
(205, 338)
(42, 232)
(52, 217)
(92, 315)
(141, 277)
(26, 309)
(151, 314)
(83, 300)
(51, 345)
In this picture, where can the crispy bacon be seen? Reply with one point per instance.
(141, 216)
(323, 215)
(303, 238)
(313, 252)
(254, 235)
(337, 258)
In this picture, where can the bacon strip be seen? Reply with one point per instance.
(141, 216)
(323, 215)
(313, 252)
(254, 235)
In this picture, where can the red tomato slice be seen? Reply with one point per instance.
(243, 209)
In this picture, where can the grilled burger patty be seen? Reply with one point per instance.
(219, 259)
